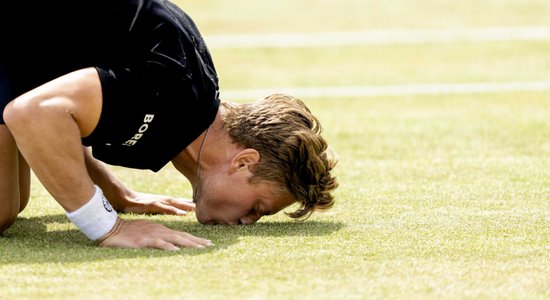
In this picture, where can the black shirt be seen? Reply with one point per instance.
(160, 88)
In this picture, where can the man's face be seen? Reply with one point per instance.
(224, 199)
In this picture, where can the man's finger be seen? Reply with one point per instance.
(167, 209)
(156, 208)
(183, 241)
(181, 203)
(195, 239)
(162, 244)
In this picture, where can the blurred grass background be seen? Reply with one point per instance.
(248, 16)
(441, 196)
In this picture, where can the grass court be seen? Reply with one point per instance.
(442, 195)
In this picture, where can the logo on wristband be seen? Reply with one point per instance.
(107, 205)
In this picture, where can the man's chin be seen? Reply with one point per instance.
(206, 220)
(201, 217)
(202, 221)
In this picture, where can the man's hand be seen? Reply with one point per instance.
(126, 200)
(144, 234)
(142, 203)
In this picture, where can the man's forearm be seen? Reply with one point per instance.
(112, 187)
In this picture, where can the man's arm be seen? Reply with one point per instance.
(126, 200)
(48, 123)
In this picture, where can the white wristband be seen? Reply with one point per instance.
(96, 218)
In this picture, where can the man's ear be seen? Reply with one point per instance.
(245, 159)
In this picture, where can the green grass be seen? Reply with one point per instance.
(383, 65)
(218, 16)
(441, 197)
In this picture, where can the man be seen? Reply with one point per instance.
(133, 81)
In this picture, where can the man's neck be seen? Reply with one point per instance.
(187, 161)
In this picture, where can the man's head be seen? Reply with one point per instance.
(282, 159)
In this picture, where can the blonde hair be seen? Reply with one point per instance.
(293, 154)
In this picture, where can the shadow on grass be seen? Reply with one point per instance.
(28, 240)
